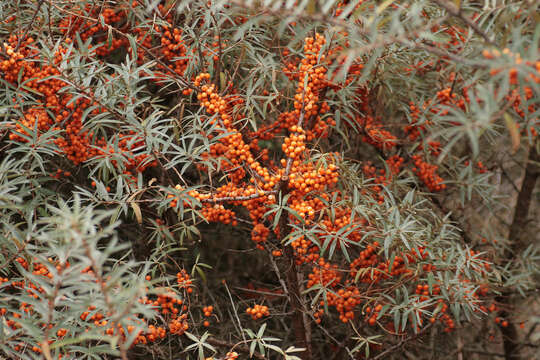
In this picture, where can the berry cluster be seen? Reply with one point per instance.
(258, 311)
(58, 110)
(428, 174)
(207, 311)
(376, 135)
(259, 234)
(78, 24)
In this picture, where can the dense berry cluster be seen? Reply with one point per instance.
(252, 179)
(311, 186)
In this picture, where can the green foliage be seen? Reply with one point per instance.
(129, 212)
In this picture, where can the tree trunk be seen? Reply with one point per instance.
(293, 285)
(516, 245)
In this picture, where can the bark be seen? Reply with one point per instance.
(293, 285)
(510, 333)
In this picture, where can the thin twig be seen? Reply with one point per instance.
(20, 39)
(237, 346)
(239, 198)
(455, 11)
(402, 343)
(103, 288)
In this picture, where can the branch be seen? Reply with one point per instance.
(455, 11)
(180, 78)
(285, 177)
(232, 346)
(401, 343)
(103, 288)
(442, 54)
(20, 39)
(532, 172)
(291, 272)
(239, 198)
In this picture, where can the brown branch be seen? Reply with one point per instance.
(232, 346)
(20, 39)
(402, 343)
(532, 171)
(267, 294)
(147, 51)
(445, 54)
(285, 176)
(239, 198)
(291, 272)
(278, 274)
(220, 55)
(510, 333)
(299, 328)
(103, 288)
(292, 283)
(456, 12)
(50, 314)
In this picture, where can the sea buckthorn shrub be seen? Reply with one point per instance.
(271, 180)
